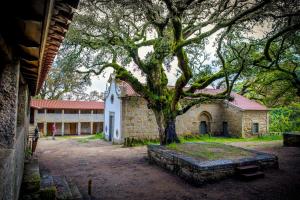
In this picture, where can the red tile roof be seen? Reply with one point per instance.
(63, 104)
(127, 89)
(239, 100)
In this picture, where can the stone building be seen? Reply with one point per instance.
(70, 117)
(31, 32)
(127, 115)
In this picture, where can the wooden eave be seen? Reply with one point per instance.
(34, 31)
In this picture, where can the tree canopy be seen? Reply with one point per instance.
(147, 35)
(63, 82)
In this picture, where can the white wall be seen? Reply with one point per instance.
(58, 117)
(115, 107)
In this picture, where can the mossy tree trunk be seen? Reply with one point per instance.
(166, 127)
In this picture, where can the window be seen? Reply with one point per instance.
(255, 128)
(112, 99)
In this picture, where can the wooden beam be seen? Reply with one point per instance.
(33, 69)
(61, 19)
(65, 7)
(31, 51)
(30, 62)
(31, 30)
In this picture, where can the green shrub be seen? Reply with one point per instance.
(135, 141)
(285, 119)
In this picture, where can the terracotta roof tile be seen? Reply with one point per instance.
(63, 104)
(238, 101)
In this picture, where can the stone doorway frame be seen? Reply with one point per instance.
(206, 117)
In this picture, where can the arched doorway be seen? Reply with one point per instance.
(205, 122)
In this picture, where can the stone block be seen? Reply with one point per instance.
(31, 179)
(200, 172)
(291, 139)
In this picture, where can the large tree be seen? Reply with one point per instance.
(115, 33)
(275, 82)
(63, 82)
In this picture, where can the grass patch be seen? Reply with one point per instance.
(97, 136)
(134, 141)
(206, 138)
(210, 151)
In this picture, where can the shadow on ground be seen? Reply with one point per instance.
(124, 173)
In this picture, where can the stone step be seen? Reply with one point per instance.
(62, 187)
(247, 169)
(31, 177)
(76, 195)
(252, 176)
(48, 189)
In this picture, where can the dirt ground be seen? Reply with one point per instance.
(124, 173)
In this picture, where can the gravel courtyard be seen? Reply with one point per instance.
(124, 173)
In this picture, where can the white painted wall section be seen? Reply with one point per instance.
(112, 104)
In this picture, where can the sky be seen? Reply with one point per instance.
(99, 83)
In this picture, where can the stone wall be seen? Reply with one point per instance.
(233, 116)
(291, 139)
(14, 115)
(9, 82)
(199, 172)
(255, 116)
(190, 121)
(139, 121)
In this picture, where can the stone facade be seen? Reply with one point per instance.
(190, 121)
(139, 121)
(250, 117)
(233, 116)
(127, 116)
(14, 115)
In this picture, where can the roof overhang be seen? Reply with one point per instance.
(35, 29)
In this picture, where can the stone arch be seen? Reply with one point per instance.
(205, 120)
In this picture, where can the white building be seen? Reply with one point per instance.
(70, 117)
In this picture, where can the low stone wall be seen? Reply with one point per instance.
(199, 172)
(291, 139)
(11, 168)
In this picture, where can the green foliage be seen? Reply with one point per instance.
(207, 138)
(97, 136)
(275, 83)
(135, 141)
(131, 142)
(210, 151)
(62, 81)
(115, 33)
(28, 152)
(285, 119)
(48, 193)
